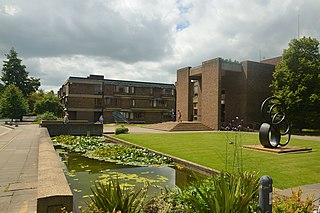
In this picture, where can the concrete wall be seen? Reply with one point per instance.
(53, 189)
(55, 129)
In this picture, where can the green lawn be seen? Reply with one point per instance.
(214, 150)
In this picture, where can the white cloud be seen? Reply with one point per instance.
(147, 40)
(10, 10)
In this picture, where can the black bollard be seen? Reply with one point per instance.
(265, 194)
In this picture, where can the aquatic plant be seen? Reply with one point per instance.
(128, 155)
(112, 198)
(96, 148)
(78, 143)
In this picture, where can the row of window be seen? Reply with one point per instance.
(131, 90)
(133, 102)
(141, 115)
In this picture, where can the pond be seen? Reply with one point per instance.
(82, 173)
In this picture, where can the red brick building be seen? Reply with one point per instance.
(139, 102)
(218, 91)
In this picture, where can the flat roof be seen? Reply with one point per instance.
(124, 82)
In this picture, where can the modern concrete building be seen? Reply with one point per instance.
(218, 91)
(139, 102)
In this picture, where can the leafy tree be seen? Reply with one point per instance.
(49, 103)
(13, 72)
(296, 81)
(33, 98)
(13, 104)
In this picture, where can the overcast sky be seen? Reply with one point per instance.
(146, 40)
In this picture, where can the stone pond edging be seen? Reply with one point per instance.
(53, 189)
(187, 164)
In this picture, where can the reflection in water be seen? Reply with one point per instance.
(82, 173)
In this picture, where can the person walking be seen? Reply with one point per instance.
(179, 116)
(66, 118)
(101, 119)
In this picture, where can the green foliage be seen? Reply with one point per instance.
(13, 104)
(95, 147)
(13, 72)
(46, 116)
(226, 192)
(168, 200)
(296, 81)
(111, 198)
(128, 155)
(121, 130)
(292, 203)
(33, 98)
(49, 103)
(81, 144)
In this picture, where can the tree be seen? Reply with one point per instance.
(13, 104)
(33, 98)
(13, 72)
(49, 103)
(296, 81)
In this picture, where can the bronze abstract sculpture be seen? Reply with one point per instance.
(275, 125)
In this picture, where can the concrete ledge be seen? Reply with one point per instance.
(53, 189)
(56, 128)
(187, 164)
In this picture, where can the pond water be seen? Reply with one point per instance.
(82, 173)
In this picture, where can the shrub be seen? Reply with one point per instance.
(224, 193)
(292, 203)
(121, 130)
(111, 198)
(46, 116)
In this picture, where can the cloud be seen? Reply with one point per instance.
(147, 40)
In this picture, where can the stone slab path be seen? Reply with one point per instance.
(19, 168)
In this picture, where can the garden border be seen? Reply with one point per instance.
(187, 164)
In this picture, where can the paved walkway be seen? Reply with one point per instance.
(18, 168)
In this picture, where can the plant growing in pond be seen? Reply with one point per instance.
(223, 193)
(78, 143)
(95, 147)
(128, 155)
(111, 198)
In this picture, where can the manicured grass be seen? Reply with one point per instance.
(214, 150)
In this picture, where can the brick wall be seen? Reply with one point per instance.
(234, 84)
(184, 102)
(210, 105)
(259, 77)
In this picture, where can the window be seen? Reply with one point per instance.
(133, 102)
(162, 103)
(122, 89)
(139, 115)
(113, 101)
(127, 115)
(131, 89)
(153, 103)
(151, 91)
(98, 89)
(98, 101)
(196, 89)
